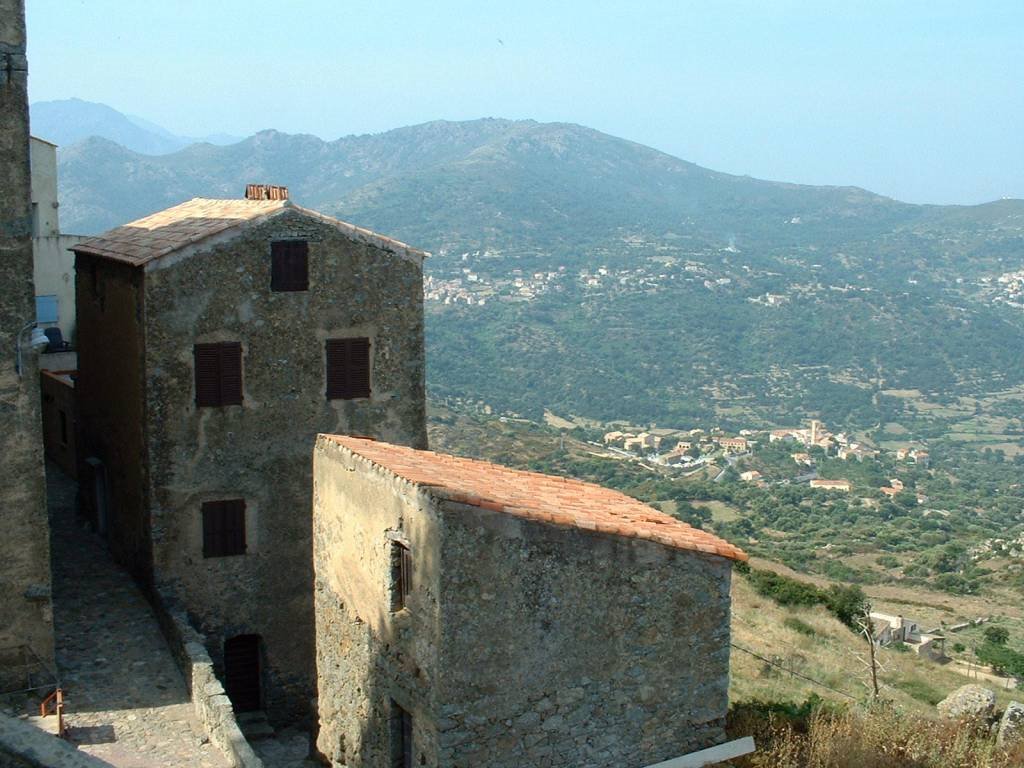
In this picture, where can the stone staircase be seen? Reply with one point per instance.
(255, 726)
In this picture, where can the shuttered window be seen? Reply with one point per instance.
(289, 265)
(401, 737)
(401, 575)
(348, 368)
(218, 374)
(224, 528)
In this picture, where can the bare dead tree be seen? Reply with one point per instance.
(867, 628)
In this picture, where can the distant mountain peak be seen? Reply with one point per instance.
(67, 121)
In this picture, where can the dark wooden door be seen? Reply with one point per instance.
(242, 672)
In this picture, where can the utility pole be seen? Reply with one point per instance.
(867, 628)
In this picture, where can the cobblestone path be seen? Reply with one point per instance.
(126, 700)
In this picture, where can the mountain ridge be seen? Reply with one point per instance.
(66, 121)
(870, 293)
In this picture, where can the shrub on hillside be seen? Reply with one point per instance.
(845, 602)
(784, 590)
(996, 635)
(799, 625)
(1002, 659)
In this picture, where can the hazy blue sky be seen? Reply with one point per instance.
(920, 100)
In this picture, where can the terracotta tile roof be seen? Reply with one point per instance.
(162, 233)
(554, 500)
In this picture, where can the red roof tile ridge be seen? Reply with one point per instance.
(163, 232)
(535, 496)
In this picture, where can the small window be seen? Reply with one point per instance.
(63, 427)
(401, 737)
(401, 575)
(224, 528)
(47, 309)
(218, 374)
(289, 265)
(348, 368)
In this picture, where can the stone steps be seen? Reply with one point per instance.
(255, 726)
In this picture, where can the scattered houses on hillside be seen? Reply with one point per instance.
(642, 442)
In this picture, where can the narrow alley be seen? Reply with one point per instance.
(126, 700)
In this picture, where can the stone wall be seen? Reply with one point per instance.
(24, 746)
(562, 647)
(25, 609)
(367, 655)
(523, 644)
(212, 707)
(260, 451)
(60, 420)
(111, 408)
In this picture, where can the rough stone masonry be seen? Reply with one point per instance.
(471, 615)
(201, 274)
(25, 609)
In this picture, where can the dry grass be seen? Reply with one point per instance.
(928, 606)
(831, 655)
(877, 736)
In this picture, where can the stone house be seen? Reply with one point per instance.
(473, 615)
(832, 485)
(733, 444)
(889, 629)
(53, 261)
(26, 629)
(216, 339)
(645, 441)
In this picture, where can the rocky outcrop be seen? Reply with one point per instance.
(1011, 726)
(968, 702)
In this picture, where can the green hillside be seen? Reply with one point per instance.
(719, 296)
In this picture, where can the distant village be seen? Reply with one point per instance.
(470, 282)
(1008, 288)
(692, 450)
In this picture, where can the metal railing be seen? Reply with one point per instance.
(56, 701)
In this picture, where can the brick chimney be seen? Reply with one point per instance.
(265, 192)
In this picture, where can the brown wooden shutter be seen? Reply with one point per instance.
(348, 368)
(207, 362)
(213, 527)
(224, 528)
(289, 265)
(359, 367)
(234, 517)
(218, 374)
(231, 373)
